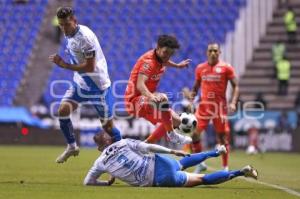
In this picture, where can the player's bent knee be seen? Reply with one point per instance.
(65, 110)
(108, 126)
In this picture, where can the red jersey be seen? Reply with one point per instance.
(148, 65)
(214, 80)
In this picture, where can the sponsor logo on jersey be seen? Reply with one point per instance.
(211, 78)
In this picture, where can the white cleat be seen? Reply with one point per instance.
(221, 149)
(200, 167)
(250, 172)
(70, 151)
(226, 168)
(251, 150)
(178, 138)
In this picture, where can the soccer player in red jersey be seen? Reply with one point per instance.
(141, 98)
(212, 76)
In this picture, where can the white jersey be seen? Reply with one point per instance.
(126, 160)
(84, 44)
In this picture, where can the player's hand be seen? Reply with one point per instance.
(55, 58)
(180, 153)
(158, 97)
(232, 107)
(154, 98)
(162, 97)
(111, 180)
(184, 63)
(191, 96)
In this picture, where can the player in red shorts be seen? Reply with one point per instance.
(141, 98)
(212, 76)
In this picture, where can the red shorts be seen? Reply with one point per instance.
(140, 106)
(217, 112)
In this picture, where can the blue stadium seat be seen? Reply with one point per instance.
(16, 45)
(126, 29)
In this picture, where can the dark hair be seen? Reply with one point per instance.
(64, 12)
(168, 41)
(214, 42)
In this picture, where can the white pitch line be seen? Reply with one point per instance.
(285, 189)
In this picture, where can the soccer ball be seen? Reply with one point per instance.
(188, 123)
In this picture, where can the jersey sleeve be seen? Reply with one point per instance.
(230, 72)
(198, 73)
(94, 173)
(137, 145)
(88, 47)
(145, 68)
(143, 147)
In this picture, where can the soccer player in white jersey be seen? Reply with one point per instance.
(132, 162)
(91, 79)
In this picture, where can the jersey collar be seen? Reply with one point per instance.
(213, 65)
(75, 32)
(157, 58)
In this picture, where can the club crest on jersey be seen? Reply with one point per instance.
(73, 45)
(146, 66)
(218, 70)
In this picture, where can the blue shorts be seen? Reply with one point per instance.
(167, 172)
(102, 100)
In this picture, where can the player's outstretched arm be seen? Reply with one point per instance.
(154, 148)
(91, 180)
(87, 66)
(182, 64)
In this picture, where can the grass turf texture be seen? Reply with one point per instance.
(30, 172)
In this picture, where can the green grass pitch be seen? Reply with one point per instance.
(30, 173)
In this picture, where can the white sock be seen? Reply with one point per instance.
(72, 145)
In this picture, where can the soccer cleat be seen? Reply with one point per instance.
(177, 138)
(70, 151)
(200, 167)
(251, 150)
(226, 168)
(221, 149)
(249, 171)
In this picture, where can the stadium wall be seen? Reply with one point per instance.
(16, 134)
(240, 44)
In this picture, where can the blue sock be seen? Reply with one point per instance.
(67, 129)
(196, 158)
(116, 134)
(220, 176)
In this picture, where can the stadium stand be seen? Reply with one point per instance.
(20, 24)
(126, 29)
(259, 74)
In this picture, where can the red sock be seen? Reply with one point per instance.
(225, 156)
(166, 118)
(197, 147)
(157, 134)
